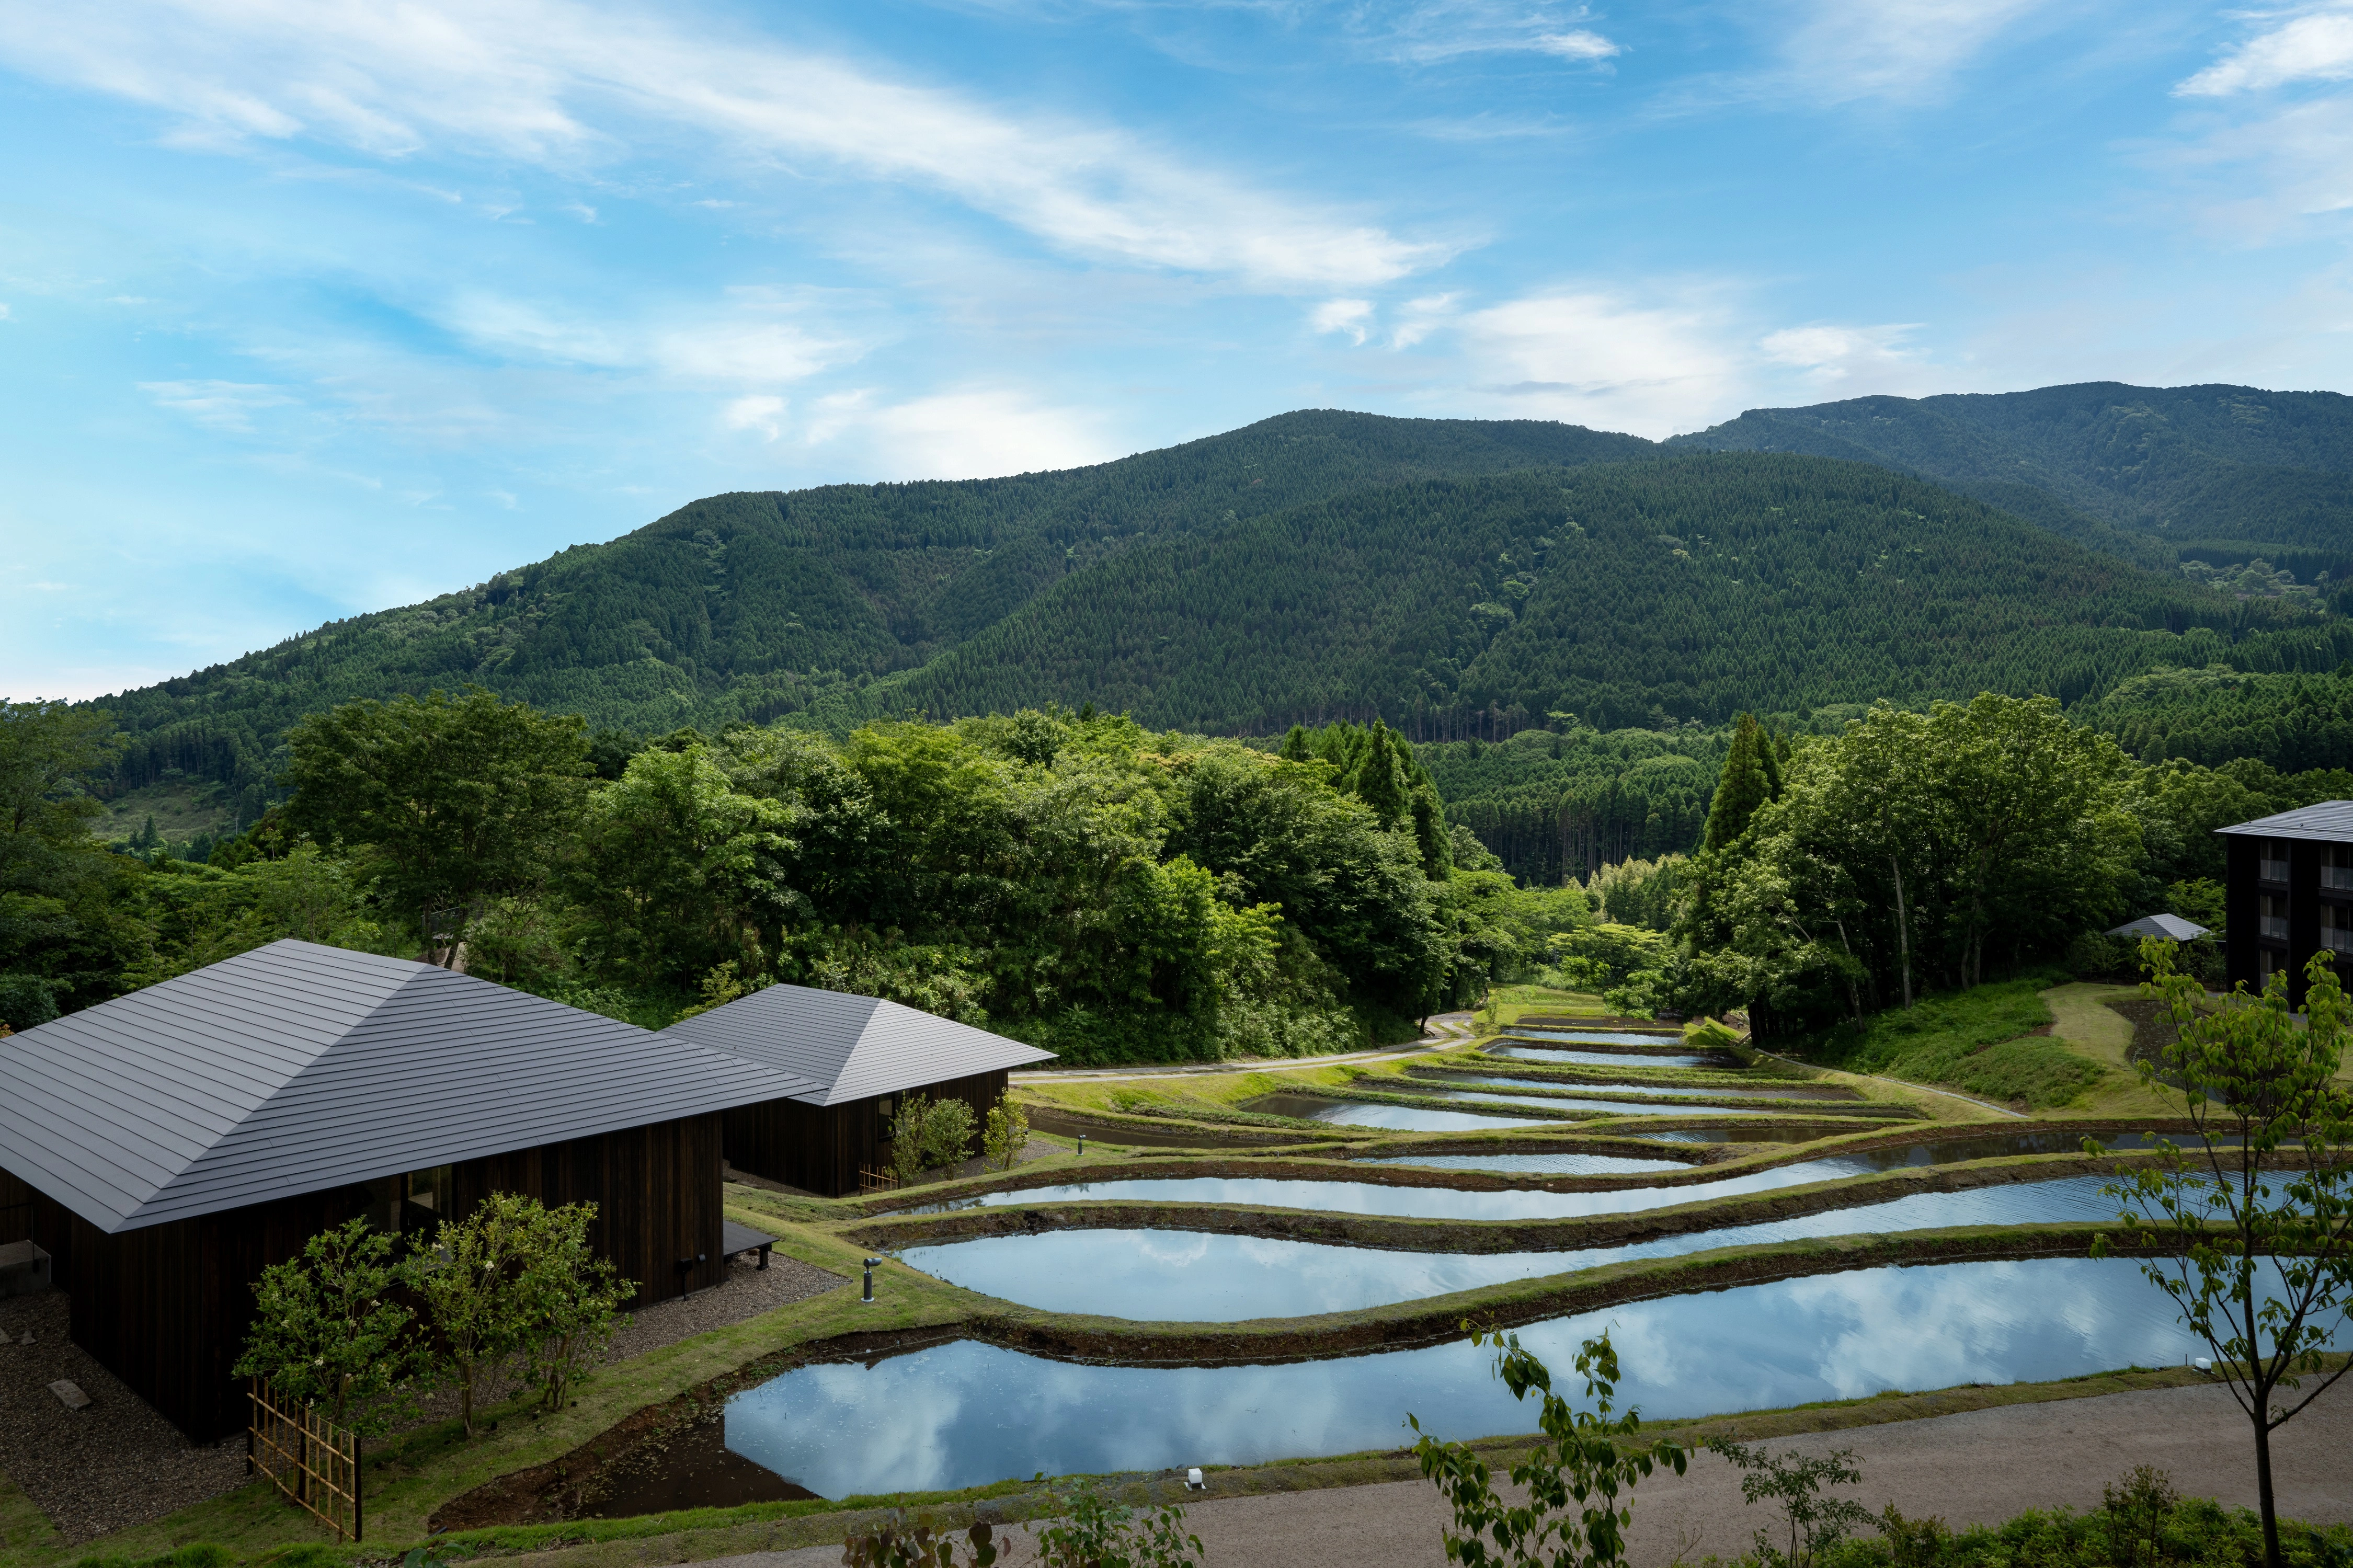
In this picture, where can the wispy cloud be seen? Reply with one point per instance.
(2265, 157)
(967, 433)
(1436, 30)
(1352, 317)
(1595, 357)
(566, 85)
(1847, 52)
(2315, 46)
(1829, 356)
(217, 405)
(737, 349)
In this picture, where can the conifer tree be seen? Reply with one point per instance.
(1745, 786)
(1296, 747)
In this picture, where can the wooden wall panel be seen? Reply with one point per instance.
(166, 1307)
(821, 1149)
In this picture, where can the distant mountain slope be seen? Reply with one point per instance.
(756, 604)
(2214, 473)
(1625, 592)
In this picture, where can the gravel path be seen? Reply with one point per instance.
(117, 1463)
(1973, 1468)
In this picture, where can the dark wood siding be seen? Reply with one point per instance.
(656, 1190)
(166, 1307)
(16, 1209)
(821, 1149)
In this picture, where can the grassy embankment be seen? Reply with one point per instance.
(1509, 1004)
(2020, 1043)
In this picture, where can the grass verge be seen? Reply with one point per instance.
(1981, 1041)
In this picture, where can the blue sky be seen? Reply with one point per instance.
(313, 309)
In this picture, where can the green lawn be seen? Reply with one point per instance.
(1979, 1041)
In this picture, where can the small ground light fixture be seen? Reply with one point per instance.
(871, 1264)
(1083, 1145)
(1193, 1481)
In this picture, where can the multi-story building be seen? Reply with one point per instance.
(2288, 893)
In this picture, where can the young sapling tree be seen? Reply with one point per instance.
(333, 1332)
(572, 1301)
(2251, 1230)
(477, 1300)
(1573, 1518)
(1793, 1482)
(1007, 1133)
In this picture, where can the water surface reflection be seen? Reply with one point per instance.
(966, 1413)
(1182, 1276)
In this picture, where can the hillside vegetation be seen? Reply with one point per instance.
(2213, 474)
(1464, 578)
(749, 606)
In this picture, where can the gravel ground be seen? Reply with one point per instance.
(113, 1464)
(1978, 1468)
(117, 1463)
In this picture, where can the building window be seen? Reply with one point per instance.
(413, 1205)
(2336, 928)
(2274, 860)
(2275, 917)
(2336, 866)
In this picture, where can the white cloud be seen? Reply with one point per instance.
(765, 415)
(6, 314)
(1594, 357)
(2256, 169)
(1420, 318)
(1872, 356)
(1438, 30)
(1842, 51)
(1352, 317)
(217, 405)
(744, 348)
(2316, 47)
(563, 84)
(977, 433)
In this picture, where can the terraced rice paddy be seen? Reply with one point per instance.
(1179, 1276)
(1160, 1317)
(968, 1413)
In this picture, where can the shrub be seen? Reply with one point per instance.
(947, 1132)
(1007, 1133)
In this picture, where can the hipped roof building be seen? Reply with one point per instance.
(862, 1055)
(166, 1146)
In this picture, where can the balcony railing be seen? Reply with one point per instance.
(2275, 871)
(2275, 926)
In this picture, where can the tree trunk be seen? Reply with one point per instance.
(2264, 1485)
(1902, 930)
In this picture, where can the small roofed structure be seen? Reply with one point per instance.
(864, 1053)
(167, 1145)
(2172, 927)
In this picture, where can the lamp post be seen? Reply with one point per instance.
(868, 1299)
(1083, 1145)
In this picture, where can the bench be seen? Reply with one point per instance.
(734, 1240)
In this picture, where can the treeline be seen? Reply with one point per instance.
(2292, 722)
(1935, 850)
(1071, 879)
(1563, 805)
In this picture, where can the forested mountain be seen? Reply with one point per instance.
(1623, 594)
(752, 606)
(2218, 474)
(1462, 578)
(1554, 804)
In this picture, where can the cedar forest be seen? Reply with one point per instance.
(1282, 741)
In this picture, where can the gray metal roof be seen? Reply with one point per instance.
(296, 1067)
(2331, 822)
(853, 1045)
(2172, 926)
